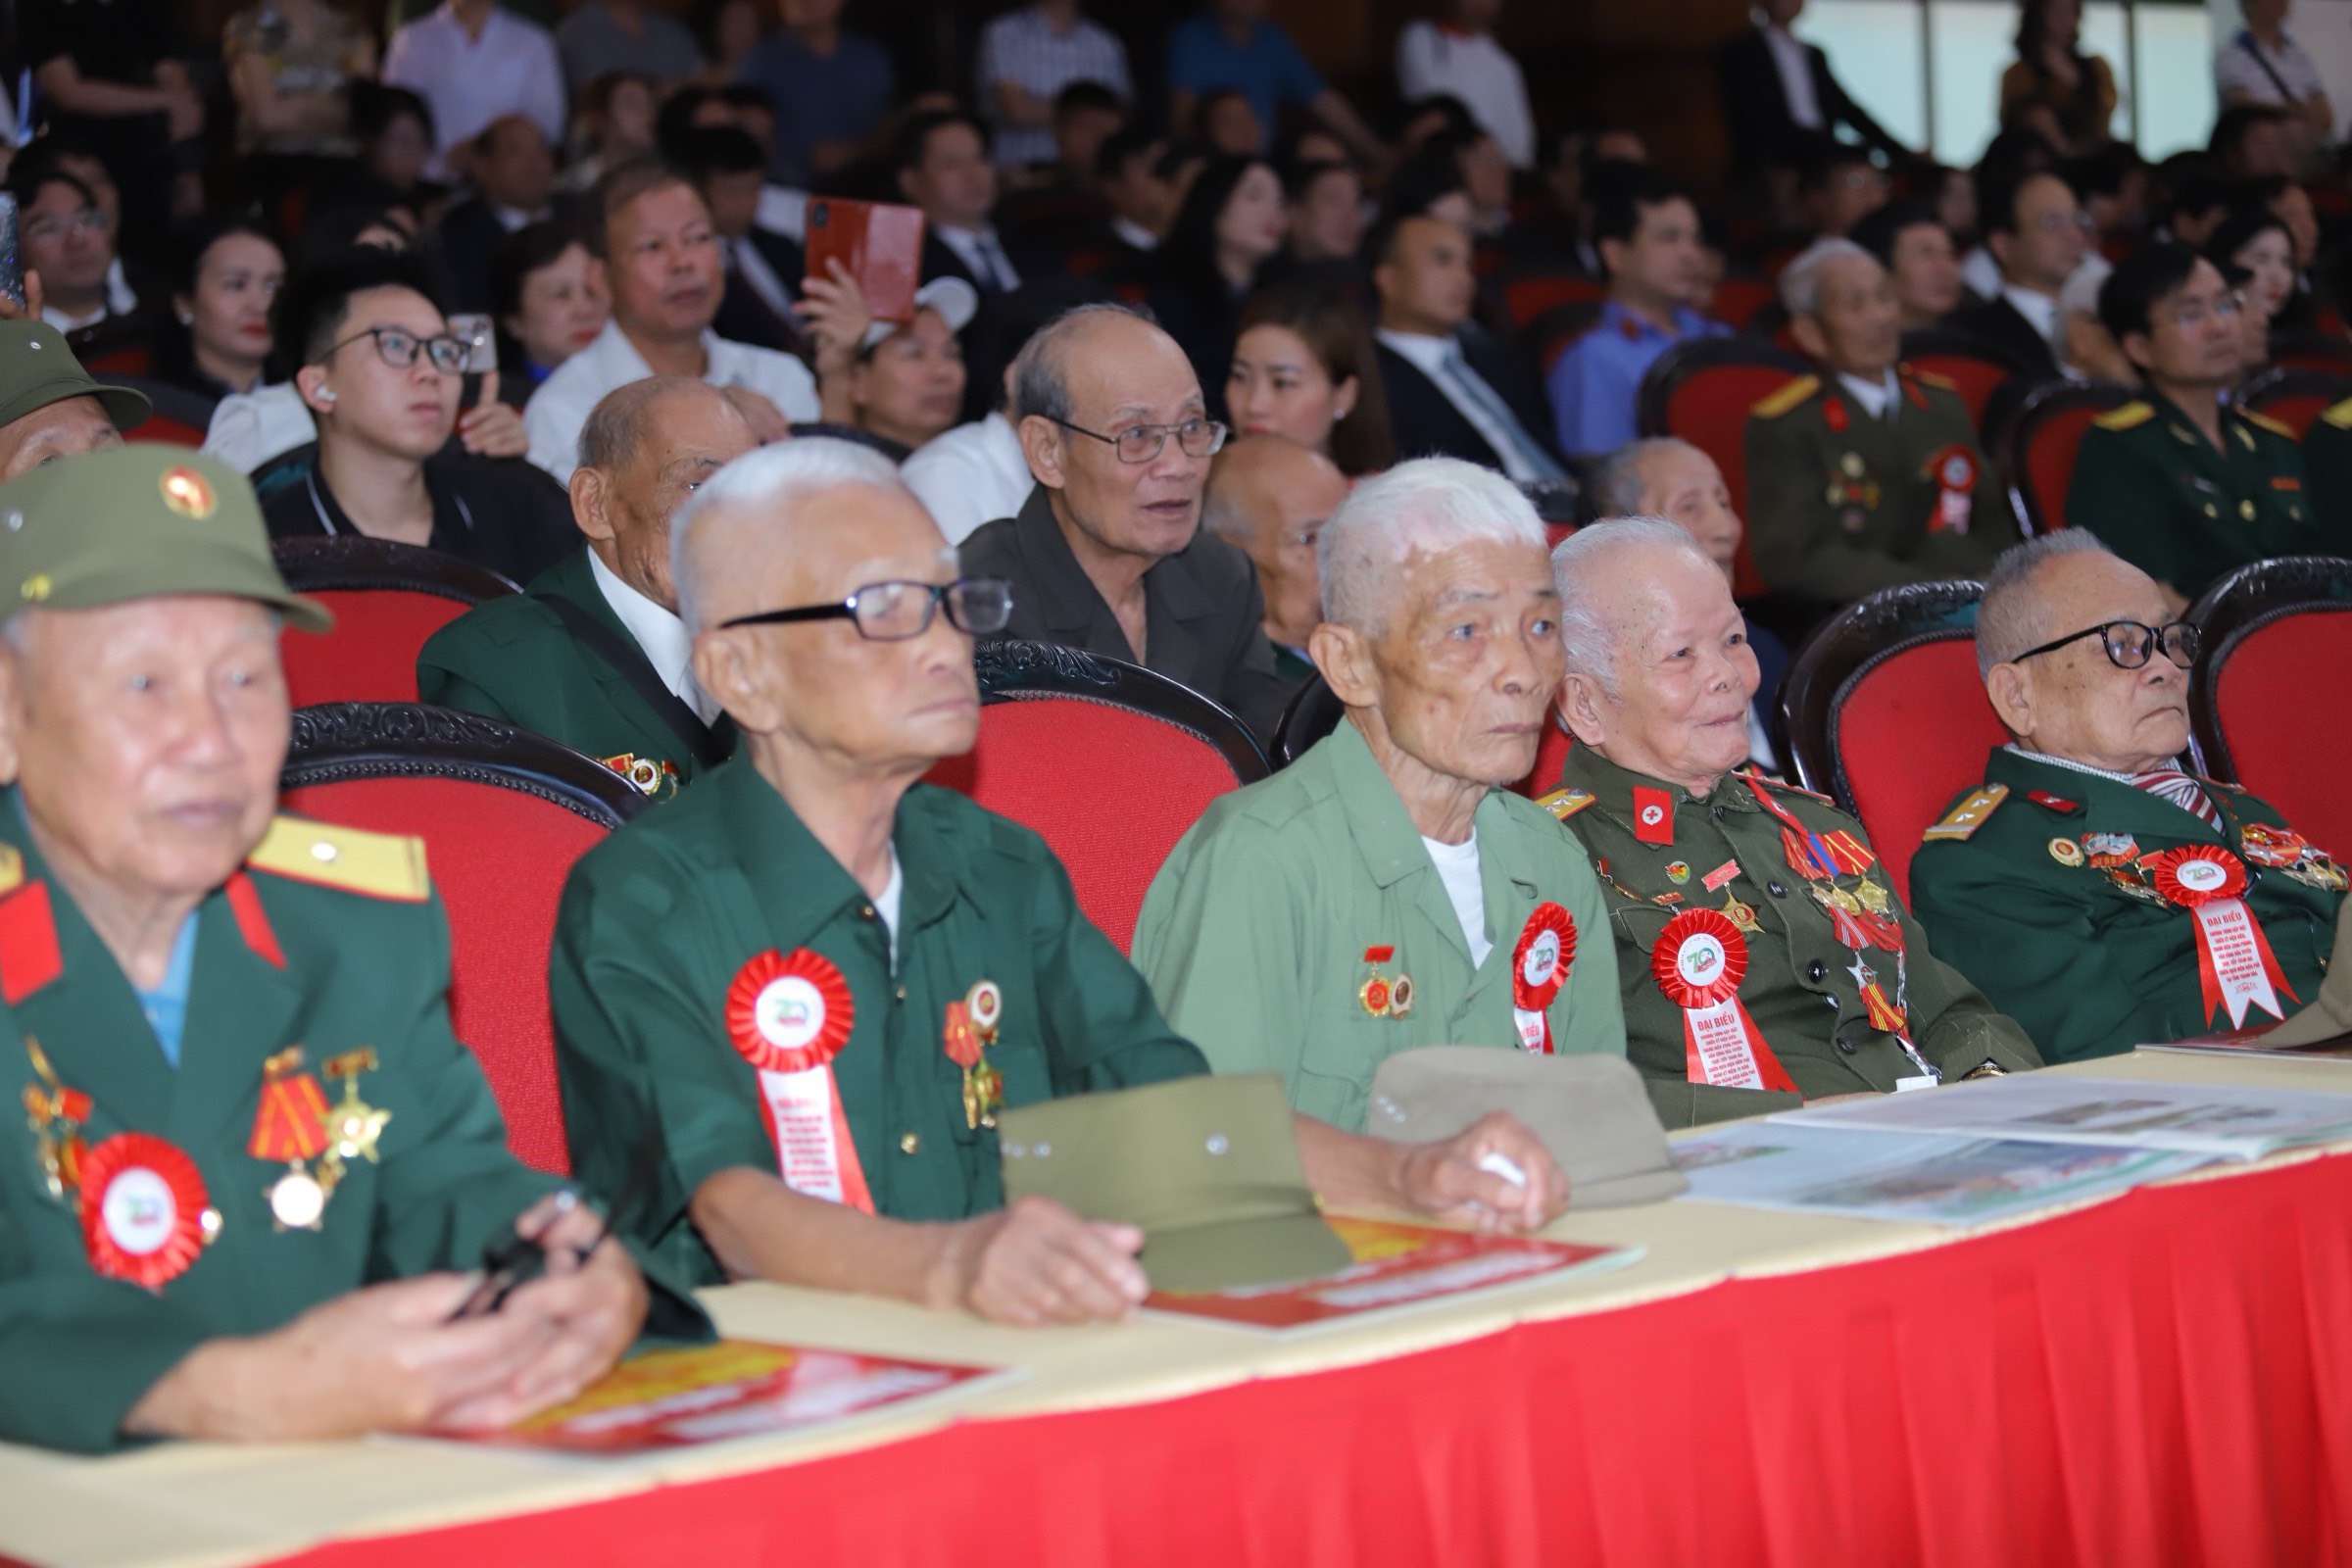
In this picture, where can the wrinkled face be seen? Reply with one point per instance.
(410, 410)
(1664, 260)
(2271, 257)
(563, 308)
(147, 736)
(1287, 496)
(955, 184)
(2073, 702)
(236, 284)
(1684, 672)
(2051, 235)
(65, 239)
(66, 428)
(1927, 273)
(910, 387)
(665, 273)
(516, 168)
(1253, 220)
(1279, 387)
(1326, 221)
(1683, 485)
(1427, 284)
(1860, 325)
(686, 437)
(1470, 658)
(2193, 337)
(1123, 372)
(1851, 192)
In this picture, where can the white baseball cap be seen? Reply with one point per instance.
(956, 301)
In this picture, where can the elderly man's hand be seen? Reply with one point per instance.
(1462, 1181)
(767, 422)
(490, 428)
(1035, 1262)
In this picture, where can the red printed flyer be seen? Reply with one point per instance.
(734, 1389)
(1397, 1266)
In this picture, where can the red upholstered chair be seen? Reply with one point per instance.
(1886, 716)
(1702, 391)
(2294, 397)
(2037, 451)
(387, 598)
(1528, 297)
(2269, 707)
(2312, 351)
(181, 418)
(1107, 761)
(1975, 368)
(1738, 299)
(504, 814)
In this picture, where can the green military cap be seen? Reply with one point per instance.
(1206, 1166)
(134, 522)
(37, 369)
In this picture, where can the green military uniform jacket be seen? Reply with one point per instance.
(2088, 958)
(514, 659)
(1842, 503)
(1257, 933)
(2328, 469)
(657, 921)
(2183, 511)
(1801, 987)
(331, 953)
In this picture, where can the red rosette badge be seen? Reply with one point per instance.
(1540, 966)
(1698, 963)
(145, 1214)
(2236, 970)
(789, 1012)
(2196, 874)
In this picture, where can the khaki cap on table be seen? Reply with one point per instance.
(135, 522)
(1208, 1167)
(37, 369)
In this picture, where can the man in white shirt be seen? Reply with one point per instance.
(474, 61)
(592, 653)
(971, 474)
(1457, 57)
(1026, 58)
(658, 255)
(2262, 66)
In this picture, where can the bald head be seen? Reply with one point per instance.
(1269, 498)
(646, 449)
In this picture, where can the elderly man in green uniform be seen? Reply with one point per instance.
(1759, 944)
(49, 406)
(816, 980)
(1387, 890)
(593, 653)
(2177, 482)
(1867, 475)
(2101, 896)
(255, 1164)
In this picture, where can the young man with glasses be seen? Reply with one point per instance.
(2092, 888)
(2177, 482)
(1108, 554)
(382, 376)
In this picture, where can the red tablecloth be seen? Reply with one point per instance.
(2164, 1379)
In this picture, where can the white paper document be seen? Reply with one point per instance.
(1920, 1178)
(2225, 1121)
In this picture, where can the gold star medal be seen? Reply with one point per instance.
(1873, 897)
(1741, 916)
(2066, 852)
(352, 1124)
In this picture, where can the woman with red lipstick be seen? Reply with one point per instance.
(218, 339)
(1231, 225)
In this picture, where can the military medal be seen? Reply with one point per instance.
(2066, 852)
(1721, 877)
(56, 1116)
(1741, 916)
(1381, 995)
(145, 1215)
(1955, 472)
(289, 1128)
(1677, 871)
(1699, 962)
(789, 1015)
(352, 1124)
(1540, 966)
(2104, 851)
(970, 1029)
(2235, 966)
(648, 773)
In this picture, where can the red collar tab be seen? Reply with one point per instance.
(1653, 814)
(1833, 414)
(253, 922)
(28, 954)
(2056, 803)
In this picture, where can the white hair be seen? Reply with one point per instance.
(1425, 504)
(2011, 618)
(1617, 479)
(772, 482)
(1588, 629)
(1800, 279)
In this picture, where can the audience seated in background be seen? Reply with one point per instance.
(1911, 242)
(67, 239)
(1228, 230)
(1327, 219)
(599, 39)
(513, 173)
(1303, 366)
(1106, 554)
(2088, 351)
(1028, 58)
(1086, 115)
(1839, 186)
(548, 302)
(831, 89)
(1269, 498)
(50, 409)
(906, 383)
(1777, 91)
(1457, 55)
(2066, 894)
(2257, 243)
(973, 474)
(381, 377)
(290, 66)
(763, 269)
(2036, 233)
(231, 271)
(942, 164)
(615, 125)
(1232, 46)
(1142, 198)
(473, 62)
(592, 651)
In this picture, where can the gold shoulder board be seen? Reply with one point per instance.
(1788, 397)
(1794, 789)
(383, 865)
(2129, 417)
(2341, 415)
(1564, 804)
(11, 868)
(1970, 815)
(2263, 421)
(1930, 379)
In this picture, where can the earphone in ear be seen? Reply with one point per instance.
(326, 394)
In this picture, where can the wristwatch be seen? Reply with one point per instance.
(1988, 1068)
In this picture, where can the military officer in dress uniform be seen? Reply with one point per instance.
(593, 653)
(1868, 474)
(2177, 482)
(1760, 945)
(254, 1163)
(2101, 896)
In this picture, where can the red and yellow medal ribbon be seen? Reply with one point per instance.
(290, 1123)
(143, 1211)
(959, 1037)
(1539, 966)
(789, 1015)
(1698, 963)
(2235, 966)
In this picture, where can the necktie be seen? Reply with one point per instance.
(2171, 784)
(1525, 457)
(993, 263)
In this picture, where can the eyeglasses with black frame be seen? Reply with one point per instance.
(894, 612)
(399, 347)
(2130, 643)
(1142, 443)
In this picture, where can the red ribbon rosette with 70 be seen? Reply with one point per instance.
(1539, 968)
(789, 1015)
(2235, 967)
(1698, 963)
(145, 1215)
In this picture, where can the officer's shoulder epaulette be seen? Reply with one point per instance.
(1943, 383)
(11, 868)
(1969, 816)
(2129, 416)
(1564, 804)
(1788, 788)
(2340, 416)
(1781, 401)
(2263, 421)
(381, 866)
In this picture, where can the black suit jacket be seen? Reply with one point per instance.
(470, 238)
(1428, 424)
(1998, 323)
(1202, 610)
(1756, 108)
(744, 316)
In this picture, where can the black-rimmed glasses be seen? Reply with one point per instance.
(893, 612)
(2129, 644)
(399, 348)
(1142, 443)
